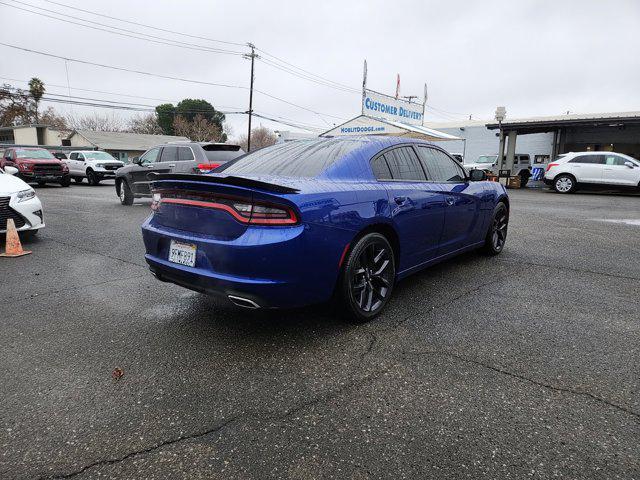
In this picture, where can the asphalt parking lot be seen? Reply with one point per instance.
(523, 365)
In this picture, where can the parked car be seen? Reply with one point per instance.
(295, 223)
(571, 170)
(19, 202)
(93, 165)
(489, 163)
(36, 165)
(60, 155)
(179, 157)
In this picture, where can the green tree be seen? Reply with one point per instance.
(36, 89)
(166, 114)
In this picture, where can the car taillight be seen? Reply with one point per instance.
(551, 165)
(253, 213)
(207, 167)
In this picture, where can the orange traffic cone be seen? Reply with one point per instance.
(14, 247)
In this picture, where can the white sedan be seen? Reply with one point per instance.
(19, 202)
(569, 171)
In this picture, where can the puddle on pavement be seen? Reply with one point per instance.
(626, 221)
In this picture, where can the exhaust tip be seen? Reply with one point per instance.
(243, 302)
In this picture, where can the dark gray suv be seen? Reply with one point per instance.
(179, 157)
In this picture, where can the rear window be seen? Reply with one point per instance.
(304, 158)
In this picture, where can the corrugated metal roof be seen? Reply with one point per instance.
(125, 141)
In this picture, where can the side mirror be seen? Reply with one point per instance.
(10, 170)
(629, 164)
(136, 160)
(477, 175)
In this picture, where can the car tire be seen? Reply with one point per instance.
(92, 178)
(564, 184)
(125, 194)
(367, 278)
(497, 232)
(78, 179)
(65, 182)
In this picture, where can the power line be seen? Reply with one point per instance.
(159, 40)
(137, 107)
(102, 15)
(305, 71)
(278, 63)
(109, 93)
(122, 69)
(310, 129)
(308, 77)
(296, 105)
(200, 82)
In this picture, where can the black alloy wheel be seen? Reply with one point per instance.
(368, 277)
(497, 234)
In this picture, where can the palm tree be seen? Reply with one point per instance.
(36, 89)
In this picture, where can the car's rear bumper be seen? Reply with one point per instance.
(271, 267)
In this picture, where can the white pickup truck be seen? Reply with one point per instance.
(92, 164)
(489, 163)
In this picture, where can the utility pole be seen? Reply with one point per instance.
(253, 57)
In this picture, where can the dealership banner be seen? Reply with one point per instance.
(378, 105)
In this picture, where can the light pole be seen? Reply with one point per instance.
(501, 113)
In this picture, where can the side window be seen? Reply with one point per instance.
(169, 154)
(9, 154)
(590, 159)
(81, 157)
(150, 156)
(441, 168)
(381, 169)
(405, 165)
(73, 156)
(614, 160)
(185, 153)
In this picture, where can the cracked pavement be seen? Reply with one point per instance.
(523, 365)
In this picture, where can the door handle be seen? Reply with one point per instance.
(400, 200)
(449, 200)
(149, 166)
(172, 164)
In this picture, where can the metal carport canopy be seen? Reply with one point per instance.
(549, 124)
(365, 125)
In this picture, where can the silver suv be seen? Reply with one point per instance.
(177, 157)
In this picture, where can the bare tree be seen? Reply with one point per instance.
(54, 120)
(198, 130)
(260, 137)
(97, 122)
(145, 124)
(15, 106)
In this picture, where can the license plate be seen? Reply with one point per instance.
(182, 253)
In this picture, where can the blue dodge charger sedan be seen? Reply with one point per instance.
(307, 221)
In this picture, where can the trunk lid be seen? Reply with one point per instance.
(211, 205)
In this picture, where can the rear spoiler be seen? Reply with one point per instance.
(229, 180)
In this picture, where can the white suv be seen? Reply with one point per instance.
(93, 164)
(568, 171)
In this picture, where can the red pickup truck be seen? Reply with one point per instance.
(36, 165)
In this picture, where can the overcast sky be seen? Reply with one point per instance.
(534, 57)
